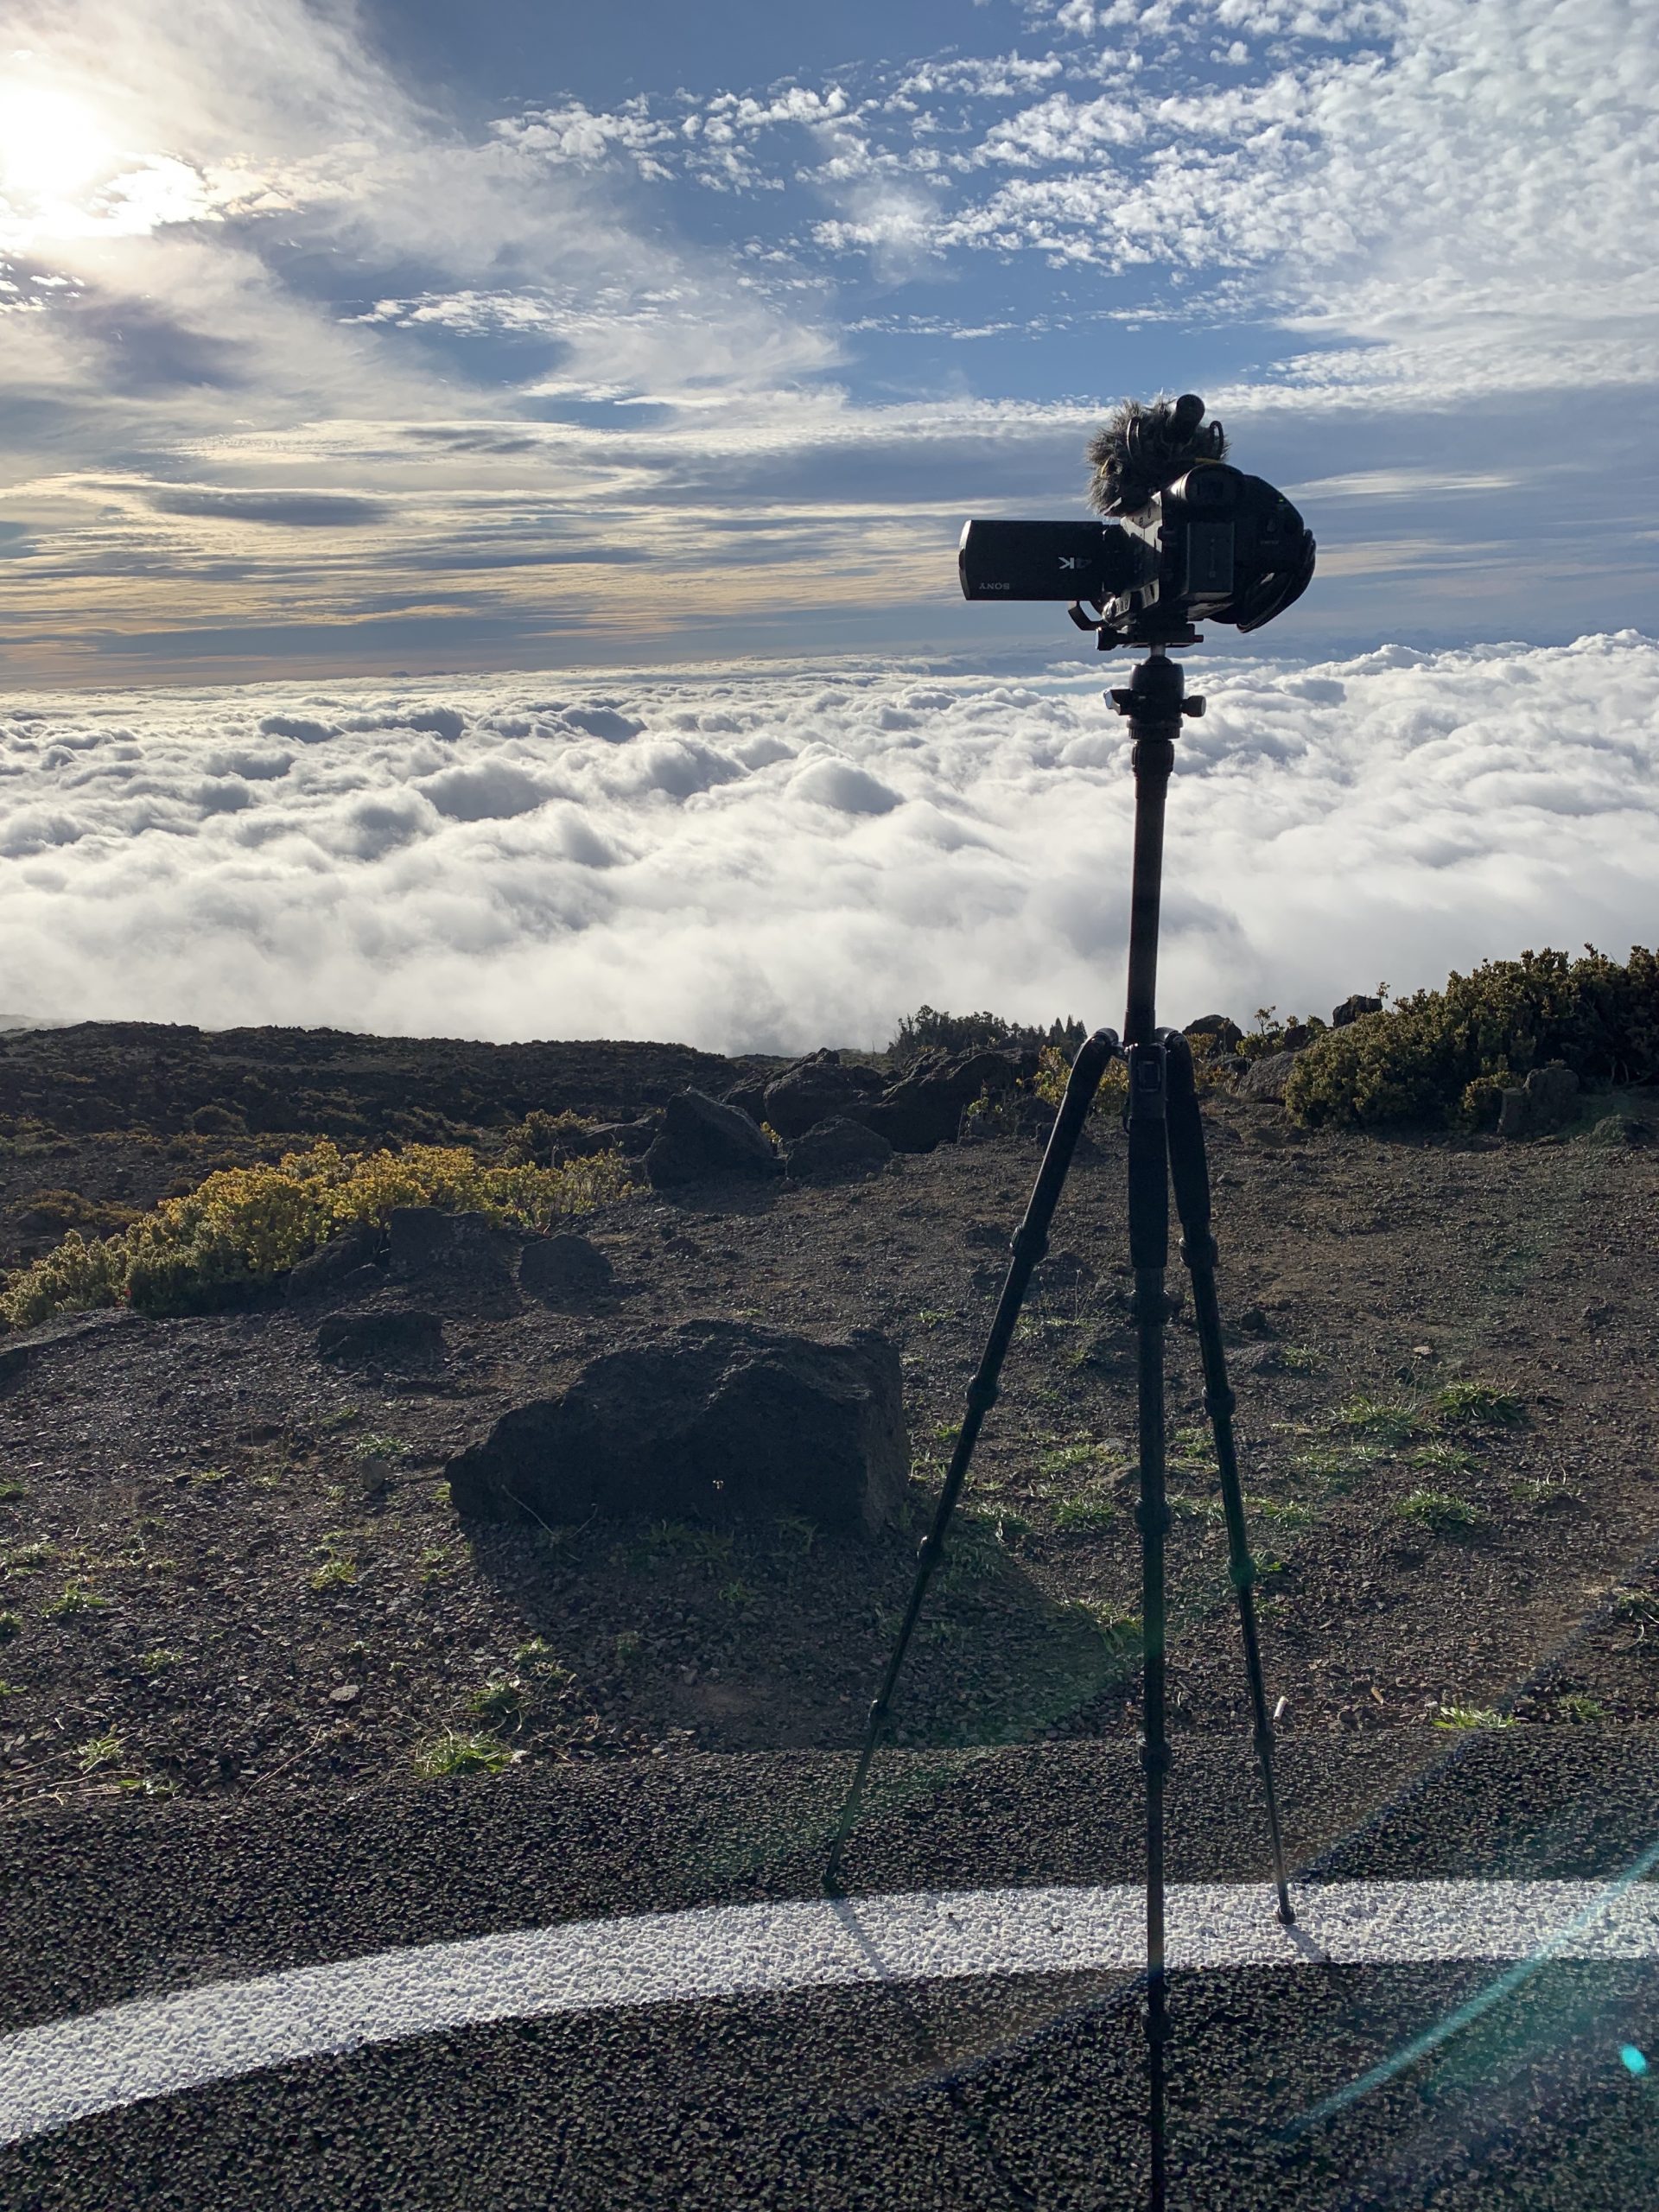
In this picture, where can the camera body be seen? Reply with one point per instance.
(1214, 545)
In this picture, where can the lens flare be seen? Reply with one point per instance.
(1633, 2058)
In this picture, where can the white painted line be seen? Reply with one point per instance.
(67, 2070)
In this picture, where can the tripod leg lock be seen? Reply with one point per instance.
(1156, 2022)
(1029, 1242)
(1200, 1250)
(1152, 1305)
(982, 1395)
(1145, 1522)
(1242, 1574)
(1217, 1403)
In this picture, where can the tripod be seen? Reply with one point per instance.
(1166, 1147)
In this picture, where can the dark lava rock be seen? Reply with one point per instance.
(925, 1107)
(816, 1089)
(750, 1098)
(422, 1240)
(701, 1137)
(631, 1139)
(836, 1152)
(402, 1337)
(339, 1263)
(564, 1270)
(20, 1353)
(1621, 1130)
(715, 1421)
(1214, 1032)
(1352, 1008)
(1547, 1098)
(1264, 1080)
(463, 1259)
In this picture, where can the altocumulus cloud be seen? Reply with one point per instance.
(782, 859)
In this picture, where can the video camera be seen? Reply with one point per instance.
(1199, 539)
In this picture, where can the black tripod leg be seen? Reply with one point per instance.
(1190, 1173)
(1030, 1243)
(1149, 1255)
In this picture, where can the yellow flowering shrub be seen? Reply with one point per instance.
(248, 1225)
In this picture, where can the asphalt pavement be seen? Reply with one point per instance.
(618, 1986)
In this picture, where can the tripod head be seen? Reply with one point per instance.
(1198, 540)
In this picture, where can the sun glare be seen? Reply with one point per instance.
(51, 144)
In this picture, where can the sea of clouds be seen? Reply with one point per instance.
(773, 858)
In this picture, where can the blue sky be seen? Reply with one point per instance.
(349, 340)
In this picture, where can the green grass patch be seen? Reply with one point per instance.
(11, 1627)
(28, 1558)
(456, 1752)
(1437, 1510)
(11, 1493)
(1545, 1493)
(1084, 1516)
(97, 1751)
(338, 1569)
(1442, 1458)
(1473, 1716)
(499, 1705)
(1390, 1422)
(1584, 1710)
(77, 1598)
(1477, 1405)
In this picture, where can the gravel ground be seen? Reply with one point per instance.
(224, 1565)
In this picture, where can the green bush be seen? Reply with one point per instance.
(245, 1226)
(1442, 1057)
(927, 1030)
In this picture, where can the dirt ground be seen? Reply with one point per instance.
(227, 1567)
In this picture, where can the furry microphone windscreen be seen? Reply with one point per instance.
(1143, 448)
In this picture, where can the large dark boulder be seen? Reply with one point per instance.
(1264, 1080)
(701, 1138)
(1213, 1032)
(401, 1337)
(836, 1151)
(343, 1265)
(716, 1421)
(460, 1259)
(925, 1107)
(816, 1089)
(1352, 1007)
(564, 1270)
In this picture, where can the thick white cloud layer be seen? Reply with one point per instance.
(778, 859)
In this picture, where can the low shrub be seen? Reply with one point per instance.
(1442, 1057)
(928, 1030)
(245, 1226)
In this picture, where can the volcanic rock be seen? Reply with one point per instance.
(345, 1261)
(925, 1107)
(1265, 1079)
(701, 1137)
(836, 1152)
(1546, 1100)
(816, 1089)
(1352, 1007)
(564, 1270)
(715, 1420)
(398, 1337)
(1213, 1032)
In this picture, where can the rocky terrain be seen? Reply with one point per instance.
(231, 1560)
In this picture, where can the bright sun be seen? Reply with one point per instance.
(51, 144)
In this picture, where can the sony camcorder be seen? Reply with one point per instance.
(1198, 541)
